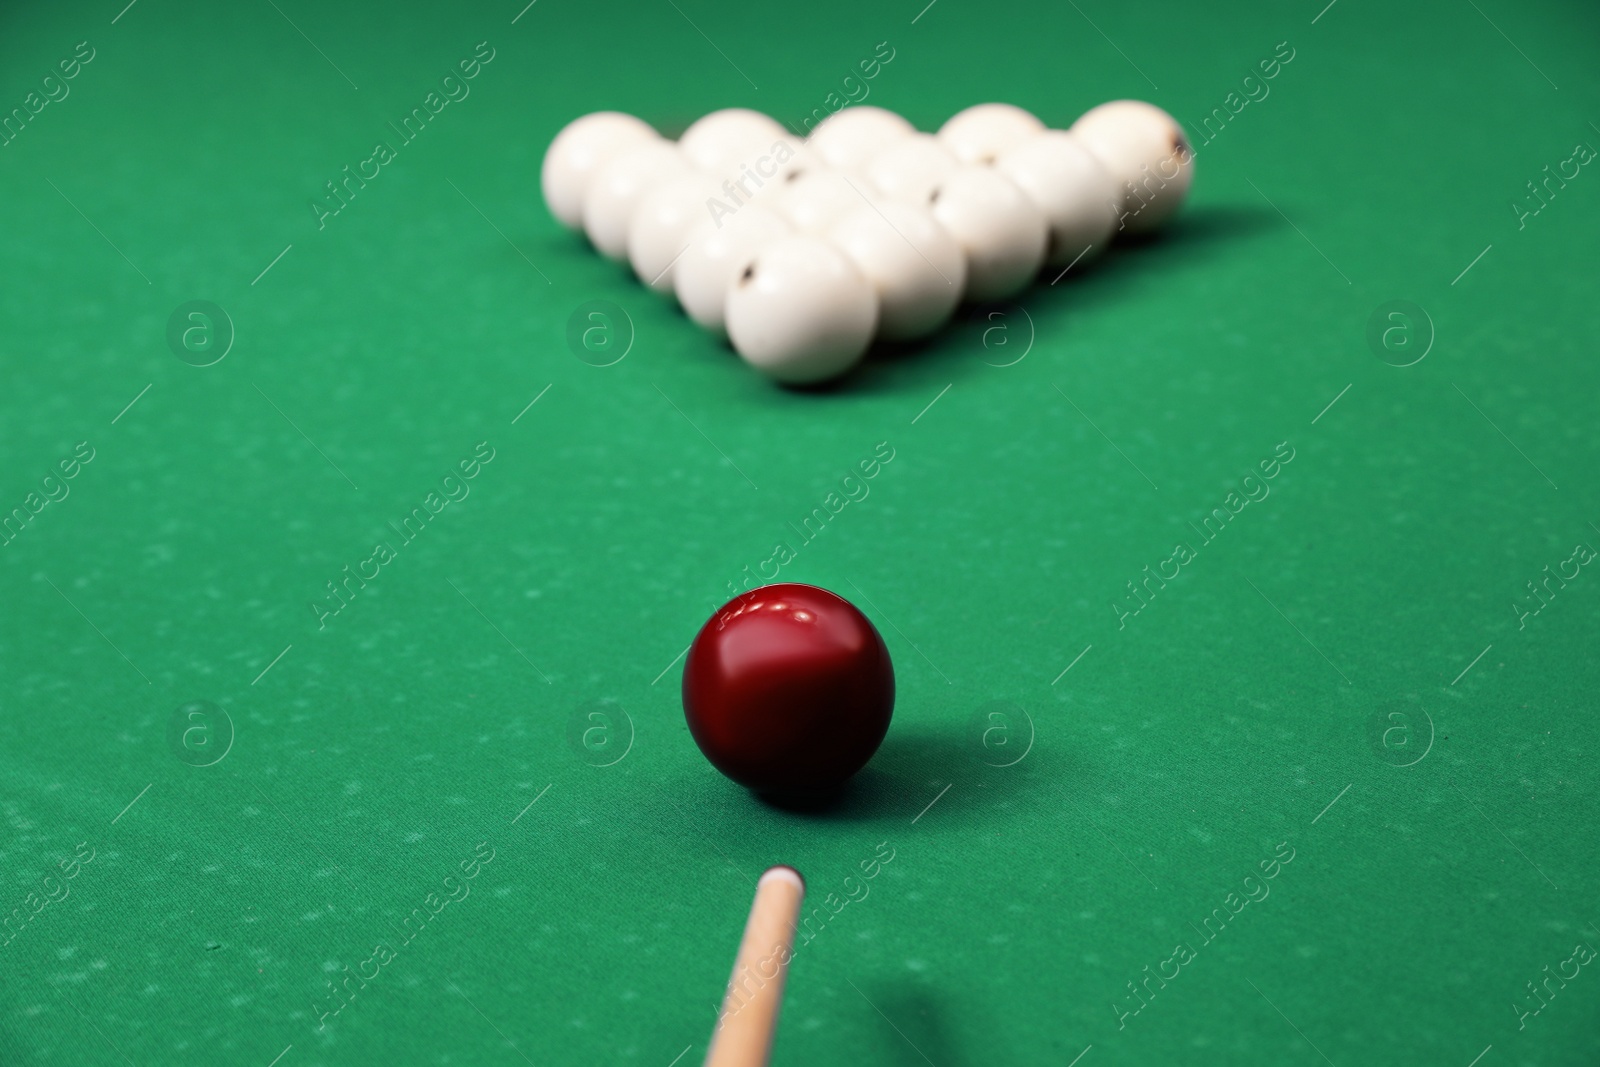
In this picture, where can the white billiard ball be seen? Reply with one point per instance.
(791, 161)
(801, 312)
(582, 147)
(983, 131)
(919, 270)
(658, 232)
(1074, 190)
(723, 138)
(1147, 154)
(1002, 232)
(764, 174)
(846, 139)
(718, 251)
(816, 200)
(619, 186)
(909, 168)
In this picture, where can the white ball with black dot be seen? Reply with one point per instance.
(1001, 231)
(764, 175)
(717, 252)
(801, 312)
(909, 168)
(1148, 155)
(983, 131)
(788, 161)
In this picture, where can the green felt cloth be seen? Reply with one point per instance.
(1350, 637)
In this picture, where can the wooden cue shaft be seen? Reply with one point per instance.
(749, 1017)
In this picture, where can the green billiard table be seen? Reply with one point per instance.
(357, 517)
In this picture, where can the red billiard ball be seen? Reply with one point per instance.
(788, 689)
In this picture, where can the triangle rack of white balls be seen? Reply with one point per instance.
(802, 252)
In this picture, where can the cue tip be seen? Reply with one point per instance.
(784, 872)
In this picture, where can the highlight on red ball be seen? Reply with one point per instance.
(788, 689)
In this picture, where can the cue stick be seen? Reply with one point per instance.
(749, 1016)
